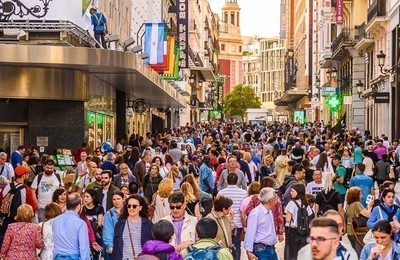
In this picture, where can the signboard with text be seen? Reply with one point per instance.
(339, 11)
(183, 32)
(327, 91)
(382, 97)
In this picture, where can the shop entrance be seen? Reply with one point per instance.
(11, 137)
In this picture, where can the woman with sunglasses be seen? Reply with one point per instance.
(132, 230)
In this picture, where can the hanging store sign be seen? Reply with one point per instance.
(382, 97)
(328, 91)
(339, 11)
(289, 73)
(183, 32)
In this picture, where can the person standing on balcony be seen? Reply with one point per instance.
(99, 23)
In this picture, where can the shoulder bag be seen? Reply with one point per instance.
(369, 237)
(231, 248)
(130, 237)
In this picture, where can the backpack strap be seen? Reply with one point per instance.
(330, 197)
(40, 175)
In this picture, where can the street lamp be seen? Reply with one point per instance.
(333, 75)
(360, 88)
(381, 62)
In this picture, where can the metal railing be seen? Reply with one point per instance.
(348, 36)
(50, 26)
(362, 34)
(377, 8)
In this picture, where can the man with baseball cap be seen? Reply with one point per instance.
(22, 194)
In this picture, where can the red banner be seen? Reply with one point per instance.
(339, 11)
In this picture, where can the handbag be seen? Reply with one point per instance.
(369, 237)
(359, 223)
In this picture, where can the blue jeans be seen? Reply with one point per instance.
(236, 242)
(265, 252)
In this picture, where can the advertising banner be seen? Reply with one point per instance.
(183, 32)
(339, 11)
(76, 11)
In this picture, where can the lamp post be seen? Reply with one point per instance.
(381, 63)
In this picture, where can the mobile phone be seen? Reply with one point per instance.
(369, 198)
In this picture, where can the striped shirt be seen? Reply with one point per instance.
(237, 195)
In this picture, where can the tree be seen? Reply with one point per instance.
(239, 100)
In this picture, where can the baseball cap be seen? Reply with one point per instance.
(195, 158)
(20, 171)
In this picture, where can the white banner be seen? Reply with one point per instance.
(72, 10)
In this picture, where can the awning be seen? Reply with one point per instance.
(122, 70)
(290, 96)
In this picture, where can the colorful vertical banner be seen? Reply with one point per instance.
(183, 31)
(339, 11)
(154, 42)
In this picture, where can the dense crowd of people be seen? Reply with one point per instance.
(207, 191)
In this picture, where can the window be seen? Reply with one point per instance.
(222, 47)
(237, 19)
(226, 17)
(233, 18)
(240, 48)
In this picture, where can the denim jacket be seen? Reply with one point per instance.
(110, 219)
(367, 251)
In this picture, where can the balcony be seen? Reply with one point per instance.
(346, 39)
(376, 9)
(377, 17)
(365, 38)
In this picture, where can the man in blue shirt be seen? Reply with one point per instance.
(70, 232)
(260, 237)
(99, 23)
(365, 183)
(16, 156)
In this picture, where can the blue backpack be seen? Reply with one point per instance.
(209, 253)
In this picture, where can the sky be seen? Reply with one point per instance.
(258, 17)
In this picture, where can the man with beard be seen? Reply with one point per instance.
(96, 184)
(343, 250)
(107, 189)
(44, 185)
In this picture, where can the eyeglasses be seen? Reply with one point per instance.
(132, 206)
(319, 240)
(178, 207)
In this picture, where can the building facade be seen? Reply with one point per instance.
(63, 91)
(230, 42)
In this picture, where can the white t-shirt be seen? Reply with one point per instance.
(314, 188)
(369, 166)
(46, 187)
(292, 208)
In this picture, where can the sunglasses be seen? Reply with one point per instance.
(132, 206)
(175, 207)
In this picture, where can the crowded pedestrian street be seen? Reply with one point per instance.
(199, 130)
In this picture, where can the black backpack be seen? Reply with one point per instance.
(326, 205)
(12, 200)
(303, 228)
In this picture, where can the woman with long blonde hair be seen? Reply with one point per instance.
(160, 199)
(176, 176)
(192, 203)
